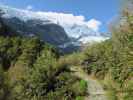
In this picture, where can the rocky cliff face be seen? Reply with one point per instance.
(48, 32)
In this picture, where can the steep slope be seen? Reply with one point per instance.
(49, 32)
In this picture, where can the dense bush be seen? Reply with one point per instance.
(112, 60)
(31, 70)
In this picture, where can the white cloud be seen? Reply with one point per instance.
(91, 39)
(70, 19)
(29, 7)
(94, 24)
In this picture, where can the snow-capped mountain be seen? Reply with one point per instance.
(75, 26)
(62, 30)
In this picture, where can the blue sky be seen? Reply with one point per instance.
(102, 10)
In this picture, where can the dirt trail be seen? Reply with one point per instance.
(95, 90)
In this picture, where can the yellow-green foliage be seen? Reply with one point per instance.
(79, 98)
(33, 71)
(112, 60)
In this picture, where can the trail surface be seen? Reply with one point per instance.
(95, 89)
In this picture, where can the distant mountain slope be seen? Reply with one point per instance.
(50, 32)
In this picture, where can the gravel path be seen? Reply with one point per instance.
(95, 90)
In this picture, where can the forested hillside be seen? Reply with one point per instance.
(30, 71)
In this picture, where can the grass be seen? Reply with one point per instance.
(79, 98)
